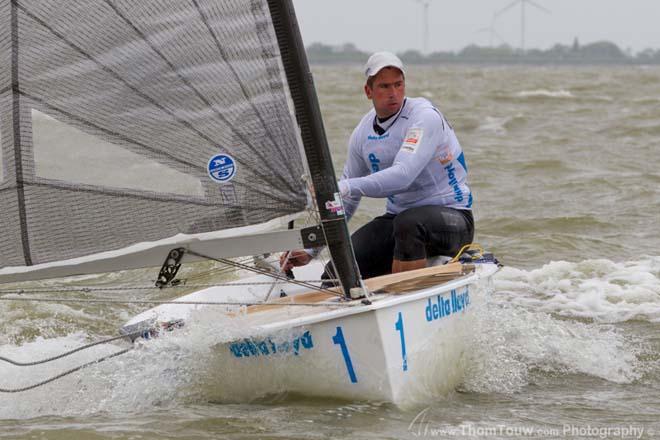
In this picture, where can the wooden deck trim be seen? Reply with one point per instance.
(403, 281)
(393, 283)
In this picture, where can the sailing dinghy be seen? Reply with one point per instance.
(185, 130)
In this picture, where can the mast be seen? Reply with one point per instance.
(17, 113)
(317, 153)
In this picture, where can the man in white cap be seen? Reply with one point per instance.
(404, 150)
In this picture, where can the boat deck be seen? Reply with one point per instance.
(398, 283)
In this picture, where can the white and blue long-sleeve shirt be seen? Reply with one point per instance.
(413, 159)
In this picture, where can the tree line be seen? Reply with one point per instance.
(600, 52)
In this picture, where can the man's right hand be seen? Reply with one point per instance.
(295, 258)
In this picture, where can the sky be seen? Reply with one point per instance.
(398, 25)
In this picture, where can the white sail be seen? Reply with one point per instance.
(125, 122)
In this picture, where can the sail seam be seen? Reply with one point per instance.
(18, 157)
(154, 198)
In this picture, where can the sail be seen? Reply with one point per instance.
(126, 121)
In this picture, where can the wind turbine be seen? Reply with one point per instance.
(491, 30)
(522, 16)
(425, 12)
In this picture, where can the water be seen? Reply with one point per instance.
(563, 163)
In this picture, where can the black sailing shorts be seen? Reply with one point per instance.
(422, 232)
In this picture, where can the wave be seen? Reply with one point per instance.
(513, 346)
(546, 165)
(650, 100)
(160, 373)
(640, 131)
(562, 319)
(598, 290)
(500, 125)
(559, 224)
(543, 93)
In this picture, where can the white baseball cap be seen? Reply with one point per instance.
(379, 60)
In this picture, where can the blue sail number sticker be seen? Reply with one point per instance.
(222, 168)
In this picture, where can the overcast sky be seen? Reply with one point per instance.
(397, 25)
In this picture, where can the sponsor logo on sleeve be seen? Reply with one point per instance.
(412, 140)
(446, 156)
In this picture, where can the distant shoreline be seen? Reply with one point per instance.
(598, 53)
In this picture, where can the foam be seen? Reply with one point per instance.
(164, 372)
(599, 290)
(523, 328)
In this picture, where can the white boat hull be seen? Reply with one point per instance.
(403, 348)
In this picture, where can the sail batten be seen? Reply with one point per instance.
(194, 87)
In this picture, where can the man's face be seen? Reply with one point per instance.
(387, 91)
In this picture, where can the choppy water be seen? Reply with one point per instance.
(564, 166)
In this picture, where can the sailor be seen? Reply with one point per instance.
(404, 150)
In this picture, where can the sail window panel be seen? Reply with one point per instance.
(63, 152)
